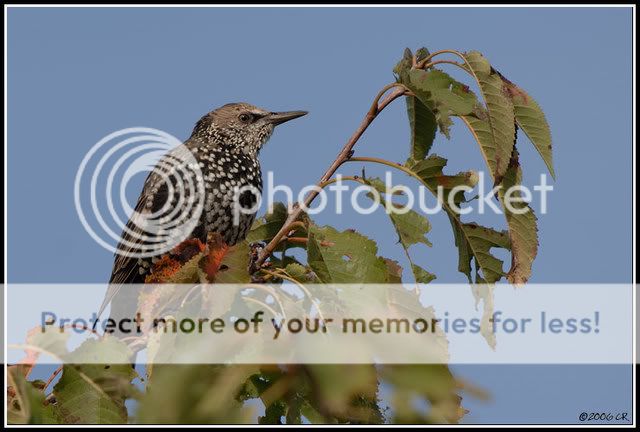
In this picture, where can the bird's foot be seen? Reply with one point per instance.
(254, 252)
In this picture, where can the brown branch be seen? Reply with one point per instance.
(297, 240)
(376, 107)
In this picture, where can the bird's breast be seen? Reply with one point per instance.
(232, 187)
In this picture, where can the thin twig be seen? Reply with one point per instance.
(335, 180)
(297, 240)
(425, 60)
(437, 62)
(376, 107)
(51, 378)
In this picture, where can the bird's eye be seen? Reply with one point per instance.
(245, 118)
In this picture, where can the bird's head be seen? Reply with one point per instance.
(240, 125)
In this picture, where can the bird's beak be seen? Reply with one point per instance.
(277, 118)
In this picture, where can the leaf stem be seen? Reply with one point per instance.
(298, 240)
(437, 62)
(426, 60)
(335, 179)
(51, 378)
(388, 163)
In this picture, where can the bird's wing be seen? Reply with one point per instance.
(125, 266)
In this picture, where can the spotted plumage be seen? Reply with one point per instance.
(220, 158)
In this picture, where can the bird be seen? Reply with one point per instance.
(223, 152)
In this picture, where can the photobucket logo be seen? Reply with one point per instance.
(155, 226)
(513, 199)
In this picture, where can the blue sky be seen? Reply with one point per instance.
(75, 75)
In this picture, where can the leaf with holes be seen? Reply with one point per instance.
(442, 94)
(344, 257)
(94, 393)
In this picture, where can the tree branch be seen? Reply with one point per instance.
(347, 151)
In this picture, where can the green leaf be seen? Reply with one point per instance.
(532, 121)
(422, 119)
(188, 272)
(523, 227)
(497, 132)
(273, 413)
(348, 390)
(299, 272)
(472, 240)
(26, 403)
(52, 340)
(404, 64)
(395, 271)
(195, 394)
(95, 393)
(431, 382)
(411, 227)
(439, 90)
(442, 94)
(421, 275)
(344, 257)
(423, 127)
(266, 227)
(480, 240)
(235, 265)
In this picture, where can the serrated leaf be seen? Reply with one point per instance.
(472, 240)
(344, 257)
(422, 120)
(410, 226)
(195, 394)
(95, 393)
(404, 64)
(395, 271)
(298, 272)
(497, 139)
(432, 382)
(442, 94)
(348, 390)
(481, 240)
(421, 275)
(266, 227)
(26, 402)
(523, 227)
(423, 125)
(532, 121)
(187, 273)
(235, 264)
(52, 340)
(439, 90)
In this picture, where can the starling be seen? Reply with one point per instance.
(222, 153)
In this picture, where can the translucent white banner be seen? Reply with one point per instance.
(339, 324)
